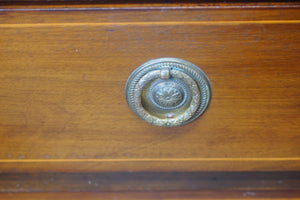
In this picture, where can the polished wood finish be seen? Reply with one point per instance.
(62, 78)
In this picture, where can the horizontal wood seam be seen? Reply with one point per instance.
(151, 23)
(99, 7)
(152, 159)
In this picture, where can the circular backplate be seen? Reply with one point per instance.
(168, 92)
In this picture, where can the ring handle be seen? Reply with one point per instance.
(171, 119)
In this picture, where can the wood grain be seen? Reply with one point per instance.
(155, 165)
(62, 79)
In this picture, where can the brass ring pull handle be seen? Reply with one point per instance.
(168, 92)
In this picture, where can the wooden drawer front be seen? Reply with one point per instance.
(63, 72)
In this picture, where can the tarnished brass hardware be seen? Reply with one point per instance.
(168, 92)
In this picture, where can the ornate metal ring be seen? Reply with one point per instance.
(168, 92)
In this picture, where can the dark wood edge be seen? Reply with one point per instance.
(70, 5)
(40, 2)
(148, 181)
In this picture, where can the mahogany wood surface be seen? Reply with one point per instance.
(63, 72)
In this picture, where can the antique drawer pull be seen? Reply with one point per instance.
(168, 92)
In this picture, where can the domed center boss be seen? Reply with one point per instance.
(168, 92)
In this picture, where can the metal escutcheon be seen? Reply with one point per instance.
(168, 92)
